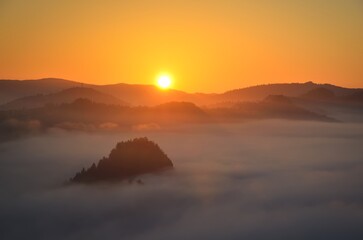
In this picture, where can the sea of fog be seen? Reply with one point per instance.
(257, 180)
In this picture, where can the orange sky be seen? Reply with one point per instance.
(208, 46)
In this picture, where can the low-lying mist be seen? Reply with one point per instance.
(257, 180)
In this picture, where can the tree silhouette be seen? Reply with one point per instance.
(127, 160)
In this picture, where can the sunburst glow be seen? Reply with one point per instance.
(164, 81)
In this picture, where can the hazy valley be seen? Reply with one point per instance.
(122, 107)
(274, 160)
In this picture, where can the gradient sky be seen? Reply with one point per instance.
(209, 46)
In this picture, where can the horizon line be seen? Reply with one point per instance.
(195, 92)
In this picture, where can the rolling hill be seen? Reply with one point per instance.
(64, 96)
(13, 89)
(149, 95)
(287, 89)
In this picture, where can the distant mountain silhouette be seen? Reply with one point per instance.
(135, 94)
(286, 89)
(85, 115)
(272, 107)
(149, 95)
(279, 99)
(152, 108)
(126, 161)
(64, 96)
(175, 108)
(356, 97)
(327, 98)
(83, 110)
(279, 106)
(319, 93)
(13, 89)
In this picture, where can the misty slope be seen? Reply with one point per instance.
(355, 97)
(64, 96)
(149, 95)
(323, 94)
(346, 108)
(272, 107)
(87, 116)
(320, 94)
(168, 114)
(13, 89)
(286, 89)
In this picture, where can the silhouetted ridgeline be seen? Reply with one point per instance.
(74, 106)
(272, 107)
(136, 94)
(65, 96)
(127, 160)
(288, 89)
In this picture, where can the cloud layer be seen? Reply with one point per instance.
(262, 180)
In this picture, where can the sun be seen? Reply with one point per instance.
(164, 81)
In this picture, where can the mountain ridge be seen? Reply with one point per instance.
(64, 96)
(143, 94)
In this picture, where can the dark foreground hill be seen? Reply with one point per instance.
(126, 161)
